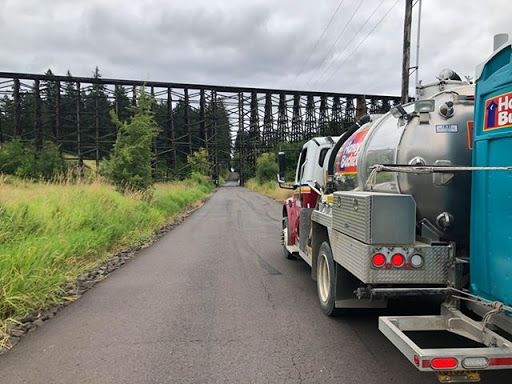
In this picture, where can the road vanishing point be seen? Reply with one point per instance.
(213, 301)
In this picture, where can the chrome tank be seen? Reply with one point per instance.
(442, 138)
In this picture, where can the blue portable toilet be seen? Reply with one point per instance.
(491, 194)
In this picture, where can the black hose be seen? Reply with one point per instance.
(343, 138)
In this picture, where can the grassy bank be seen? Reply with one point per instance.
(270, 189)
(51, 234)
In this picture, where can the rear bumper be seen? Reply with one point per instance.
(495, 353)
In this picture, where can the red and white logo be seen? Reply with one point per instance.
(498, 112)
(347, 162)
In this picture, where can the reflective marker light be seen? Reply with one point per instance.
(416, 261)
(397, 260)
(475, 362)
(379, 260)
(444, 363)
(501, 361)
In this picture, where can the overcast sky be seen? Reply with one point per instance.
(257, 43)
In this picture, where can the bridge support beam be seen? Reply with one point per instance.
(57, 113)
(241, 137)
(268, 124)
(310, 118)
(282, 119)
(79, 130)
(186, 120)
(215, 144)
(17, 109)
(323, 120)
(296, 133)
(171, 157)
(38, 127)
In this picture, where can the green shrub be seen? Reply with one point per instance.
(50, 162)
(266, 168)
(129, 166)
(21, 159)
(198, 162)
(12, 157)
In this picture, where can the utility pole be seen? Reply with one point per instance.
(407, 51)
(417, 82)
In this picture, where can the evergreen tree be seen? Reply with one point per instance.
(49, 91)
(68, 116)
(97, 106)
(122, 104)
(129, 165)
(7, 118)
(27, 114)
(223, 128)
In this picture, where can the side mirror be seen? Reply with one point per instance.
(281, 161)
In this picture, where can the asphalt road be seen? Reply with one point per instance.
(214, 301)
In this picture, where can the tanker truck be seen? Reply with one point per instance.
(417, 203)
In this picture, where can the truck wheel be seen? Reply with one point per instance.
(286, 253)
(326, 279)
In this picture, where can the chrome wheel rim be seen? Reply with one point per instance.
(324, 279)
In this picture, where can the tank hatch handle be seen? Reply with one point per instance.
(441, 179)
(423, 109)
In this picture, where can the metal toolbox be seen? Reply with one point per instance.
(375, 218)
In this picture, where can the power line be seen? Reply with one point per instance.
(362, 41)
(348, 44)
(334, 44)
(320, 38)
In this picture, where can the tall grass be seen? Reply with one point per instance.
(52, 233)
(270, 189)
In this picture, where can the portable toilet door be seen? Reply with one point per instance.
(491, 196)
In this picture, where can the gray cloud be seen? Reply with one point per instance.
(260, 43)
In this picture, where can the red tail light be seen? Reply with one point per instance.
(397, 260)
(379, 260)
(444, 363)
(501, 361)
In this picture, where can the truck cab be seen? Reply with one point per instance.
(310, 168)
(309, 179)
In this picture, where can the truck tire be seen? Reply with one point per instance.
(286, 253)
(326, 279)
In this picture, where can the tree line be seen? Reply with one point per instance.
(62, 109)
